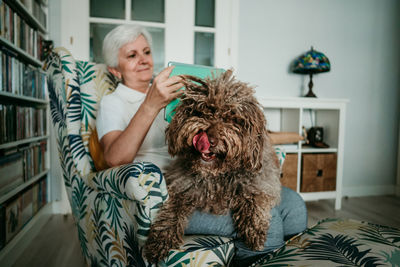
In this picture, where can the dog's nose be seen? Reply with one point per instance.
(212, 141)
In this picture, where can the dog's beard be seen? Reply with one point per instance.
(209, 167)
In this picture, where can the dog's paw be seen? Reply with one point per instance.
(255, 242)
(254, 237)
(159, 243)
(154, 252)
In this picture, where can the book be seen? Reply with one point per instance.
(11, 172)
(2, 226)
(1, 70)
(188, 69)
(15, 29)
(13, 218)
(19, 122)
(27, 205)
(43, 198)
(35, 198)
(1, 18)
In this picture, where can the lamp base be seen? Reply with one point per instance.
(310, 94)
(310, 86)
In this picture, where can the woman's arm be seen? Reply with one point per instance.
(121, 147)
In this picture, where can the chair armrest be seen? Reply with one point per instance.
(139, 181)
(281, 154)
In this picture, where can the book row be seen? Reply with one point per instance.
(19, 165)
(15, 213)
(34, 7)
(14, 29)
(20, 78)
(18, 122)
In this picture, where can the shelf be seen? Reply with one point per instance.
(319, 150)
(23, 99)
(25, 14)
(291, 150)
(20, 53)
(18, 189)
(23, 141)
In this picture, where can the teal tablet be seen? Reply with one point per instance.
(188, 69)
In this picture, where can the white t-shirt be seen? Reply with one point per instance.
(116, 111)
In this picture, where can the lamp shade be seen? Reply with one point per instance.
(311, 62)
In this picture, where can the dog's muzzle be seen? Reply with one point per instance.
(202, 144)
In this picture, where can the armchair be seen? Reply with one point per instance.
(113, 208)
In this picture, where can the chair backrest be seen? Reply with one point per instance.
(75, 90)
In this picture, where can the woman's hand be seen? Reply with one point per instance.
(163, 90)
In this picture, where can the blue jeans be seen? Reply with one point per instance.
(288, 219)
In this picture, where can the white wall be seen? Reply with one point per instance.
(362, 40)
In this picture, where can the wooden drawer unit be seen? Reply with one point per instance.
(318, 172)
(289, 172)
(314, 172)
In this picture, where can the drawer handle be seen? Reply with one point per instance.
(320, 173)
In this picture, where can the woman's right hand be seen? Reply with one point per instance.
(163, 90)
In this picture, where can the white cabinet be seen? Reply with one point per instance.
(297, 114)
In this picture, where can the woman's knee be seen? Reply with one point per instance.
(293, 212)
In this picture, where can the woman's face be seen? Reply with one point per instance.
(135, 63)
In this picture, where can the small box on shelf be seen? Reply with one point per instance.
(318, 172)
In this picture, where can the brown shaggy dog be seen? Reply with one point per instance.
(224, 162)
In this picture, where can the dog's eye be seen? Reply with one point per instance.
(239, 121)
(197, 113)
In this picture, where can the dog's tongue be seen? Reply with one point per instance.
(201, 143)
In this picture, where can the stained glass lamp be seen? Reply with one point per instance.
(311, 62)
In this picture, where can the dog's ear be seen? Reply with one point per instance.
(180, 132)
(170, 132)
(254, 145)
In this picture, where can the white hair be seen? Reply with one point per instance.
(118, 37)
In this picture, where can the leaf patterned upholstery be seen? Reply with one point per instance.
(339, 242)
(113, 208)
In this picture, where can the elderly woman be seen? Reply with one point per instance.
(131, 128)
(130, 125)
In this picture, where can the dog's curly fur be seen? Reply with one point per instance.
(241, 172)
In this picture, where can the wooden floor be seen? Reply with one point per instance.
(57, 243)
(384, 210)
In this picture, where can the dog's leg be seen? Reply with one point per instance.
(251, 214)
(168, 229)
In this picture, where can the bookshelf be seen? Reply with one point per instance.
(24, 123)
(315, 173)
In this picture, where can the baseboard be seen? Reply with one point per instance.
(362, 191)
